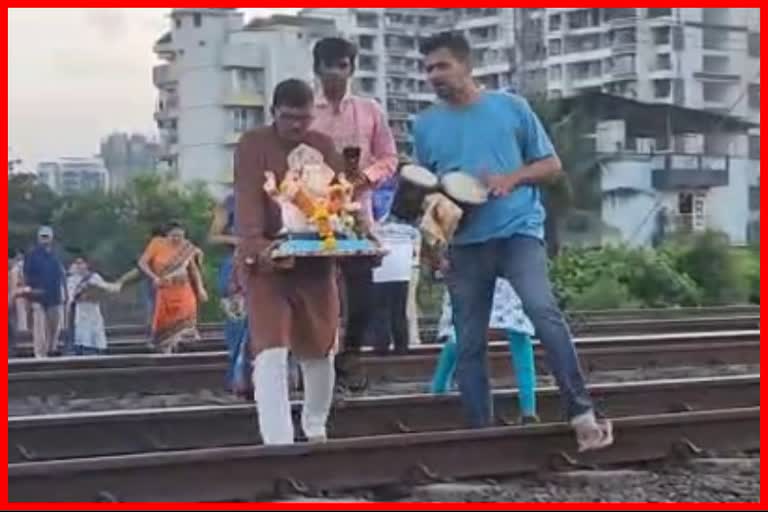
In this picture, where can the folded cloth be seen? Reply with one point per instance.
(440, 220)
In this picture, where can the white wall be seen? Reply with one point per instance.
(728, 207)
(632, 216)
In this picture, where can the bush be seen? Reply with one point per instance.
(712, 264)
(627, 277)
(605, 293)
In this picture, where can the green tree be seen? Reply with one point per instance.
(30, 204)
(578, 195)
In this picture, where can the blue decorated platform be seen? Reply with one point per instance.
(311, 245)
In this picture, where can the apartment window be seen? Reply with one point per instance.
(584, 43)
(367, 63)
(490, 82)
(555, 46)
(662, 88)
(754, 199)
(659, 12)
(248, 80)
(578, 19)
(367, 85)
(714, 92)
(585, 70)
(714, 38)
(624, 64)
(685, 203)
(555, 22)
(244, 119)
(754, 96)
(753, 232)
(556, 73)
(367, 20)
(753, 44)
(366, 42)
(198, 19)
(663, 61)
(661, 35)
(625, 36)
(620, 13)
(754, 147)
(715, 16)
(483, 34)
(715, 64)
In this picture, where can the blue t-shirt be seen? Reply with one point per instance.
(497, 134)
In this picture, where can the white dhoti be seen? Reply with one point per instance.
(271, 394)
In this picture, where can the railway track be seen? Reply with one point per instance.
(182, 373)
(212, 337)
(260, 472)
(36, 438)
(580, 316)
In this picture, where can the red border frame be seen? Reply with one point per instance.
(335, 506)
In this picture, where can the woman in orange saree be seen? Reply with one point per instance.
(173, 263)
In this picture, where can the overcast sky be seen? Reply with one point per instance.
(75, 75)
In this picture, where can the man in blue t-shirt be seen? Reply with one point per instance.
(496, 137)
(44, 276)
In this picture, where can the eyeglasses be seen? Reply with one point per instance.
(294, 118)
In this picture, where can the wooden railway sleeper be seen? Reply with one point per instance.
(562, 461)
(419, 474)
(26, 453)
(287, 486)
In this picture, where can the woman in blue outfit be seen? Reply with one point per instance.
(222, 232)
(507, 314)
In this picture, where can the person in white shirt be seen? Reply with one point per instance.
(389, 326)
(16, 302)
(85, 289)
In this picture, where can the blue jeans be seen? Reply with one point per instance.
(471, 281)
(236, 336)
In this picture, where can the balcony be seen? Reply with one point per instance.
(719, 75)
(243, 98)
(397, 69)
(625, 18)
(164, 46)
(244, 55)
(397, 92)
(682, 171)
(168, 151)
(167, 109)
(619, 47)
(399, 49)
(166, 114)
(622, 74)
(163, 75)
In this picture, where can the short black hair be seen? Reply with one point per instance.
(454, 42)
(174, 224)
(331, 49)
(292, 93)
(157, 230)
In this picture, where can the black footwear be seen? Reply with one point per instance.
(529, 420)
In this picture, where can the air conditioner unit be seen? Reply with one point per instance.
(645, 145)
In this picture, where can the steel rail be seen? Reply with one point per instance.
(213, 339)
(183, 373)
(41, 437)
(260, 472)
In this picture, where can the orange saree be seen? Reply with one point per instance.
(175, 317)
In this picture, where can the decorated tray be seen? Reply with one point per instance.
(310, 245)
